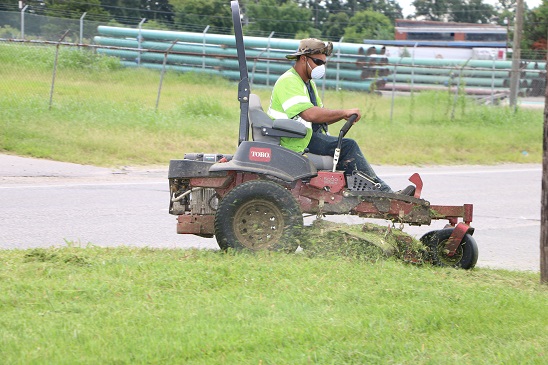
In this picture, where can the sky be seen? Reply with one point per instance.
(408, 8)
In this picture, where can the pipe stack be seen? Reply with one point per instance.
(216, 54)
(351, 66)
(475, 76)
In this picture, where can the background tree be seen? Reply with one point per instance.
(472, 11)
(195, 15)
(335, 25)
(368, 25)
(123, 11)
(464, 11)
(535, 31)
(433, 9)
(157, 10)
(283, 17)
(72, 9)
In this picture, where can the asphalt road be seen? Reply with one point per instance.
(46, 203)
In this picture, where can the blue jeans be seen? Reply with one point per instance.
(351, 157)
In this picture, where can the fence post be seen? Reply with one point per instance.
(268, 61)
(139, 39)
(82, 27)
(163, 71)
(493, 81)
(338, 64)
(203, 46)
(413, 68)
(55, 67)
(23, 22)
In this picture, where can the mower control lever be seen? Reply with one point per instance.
(347, 126)
(342, 133)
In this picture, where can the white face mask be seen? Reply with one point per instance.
(318, 72)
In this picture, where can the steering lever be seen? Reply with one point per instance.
(342, 133)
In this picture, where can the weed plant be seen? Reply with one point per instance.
(105, 115)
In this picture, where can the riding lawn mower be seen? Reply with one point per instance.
(256, 198)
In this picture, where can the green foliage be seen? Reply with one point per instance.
(472, 11)
(147, 306)
(368, 25)
(86, 60)
(287, 18)
(309, 33)
(41, 58)
(9, 32)
(535, 30)
(336, 24)
(74, 9)
(200, 13)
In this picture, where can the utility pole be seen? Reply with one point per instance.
(544, 195)
(516, 54)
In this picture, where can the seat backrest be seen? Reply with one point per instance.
(259, 119)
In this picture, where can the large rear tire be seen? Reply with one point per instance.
(465, 257)
(258, 215)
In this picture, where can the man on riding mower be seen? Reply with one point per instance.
(295, 96)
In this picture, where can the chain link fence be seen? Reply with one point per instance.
(71, 44)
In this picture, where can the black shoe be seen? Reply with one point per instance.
(410, 191)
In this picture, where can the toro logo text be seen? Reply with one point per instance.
(260, 154)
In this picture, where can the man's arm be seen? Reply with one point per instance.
(323, 115)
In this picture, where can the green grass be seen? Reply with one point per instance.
(104, 115)
(133, 306)
(124, 305)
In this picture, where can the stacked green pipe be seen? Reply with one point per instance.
(351, 66)
(476, 76)
(216, 54)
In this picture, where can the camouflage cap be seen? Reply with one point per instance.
(312, 46)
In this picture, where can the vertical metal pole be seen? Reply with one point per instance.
(55, 68)
(413, 68)
(516, 54)
(493, 81)
(268, 60)
(338, 63)
(203, 46)
(507, 23)
(163, 72)
(23, 22)
(82, 27)
(139, 39)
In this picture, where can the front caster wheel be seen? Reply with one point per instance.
(258, 215)
(465, 257)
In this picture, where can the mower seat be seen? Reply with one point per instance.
(265, 129)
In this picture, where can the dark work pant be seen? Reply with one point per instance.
(350, 159)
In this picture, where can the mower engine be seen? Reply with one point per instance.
(196, 200)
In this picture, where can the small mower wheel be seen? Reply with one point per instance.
(258, 215)
(465, 257)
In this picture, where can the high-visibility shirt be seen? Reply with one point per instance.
(290, 98)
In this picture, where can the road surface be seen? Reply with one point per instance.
(47, 203)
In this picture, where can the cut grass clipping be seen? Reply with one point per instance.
(370, 242)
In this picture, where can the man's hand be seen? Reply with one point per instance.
(350, 112)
